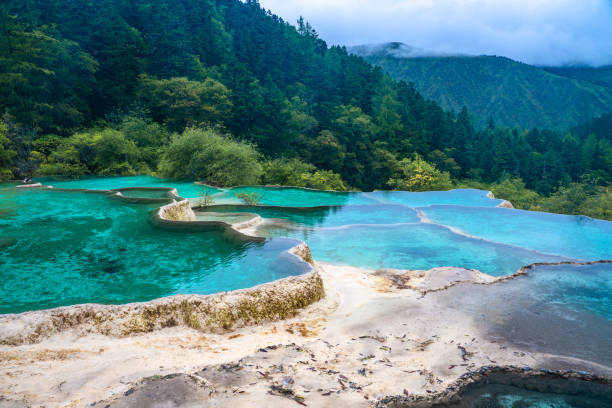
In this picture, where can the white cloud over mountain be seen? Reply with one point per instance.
(542, 32)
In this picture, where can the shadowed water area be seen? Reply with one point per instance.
(502, 390)
(559, 309)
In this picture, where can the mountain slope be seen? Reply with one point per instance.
(600, 75)
(510, 92)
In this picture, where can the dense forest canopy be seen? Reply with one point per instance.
(181, 87)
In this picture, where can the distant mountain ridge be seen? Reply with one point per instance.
(511, 92)
(397, 50)
(600, 75)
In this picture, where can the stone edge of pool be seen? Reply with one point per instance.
(217, 312)
(417, 279)
(503, 204)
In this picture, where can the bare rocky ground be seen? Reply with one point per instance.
(376, 334)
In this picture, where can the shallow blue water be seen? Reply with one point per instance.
(577, 237)
(332, 216)
(290, 197)
(579, 288)
(373, 230)
(297, 197)
(409, 246)
(467, 196)
(185, 188)
(284, 196)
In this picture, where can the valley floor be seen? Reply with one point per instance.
(373, 335)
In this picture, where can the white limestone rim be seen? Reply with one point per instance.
(31, 185)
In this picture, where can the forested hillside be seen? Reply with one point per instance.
(226, 92)
(597, 75)
(513, 93)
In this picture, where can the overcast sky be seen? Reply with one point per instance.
(542, 32)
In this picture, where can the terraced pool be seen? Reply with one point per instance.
(62, 248)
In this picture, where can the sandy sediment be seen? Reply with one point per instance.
(434, 279)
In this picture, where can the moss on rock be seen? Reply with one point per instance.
(207, 313)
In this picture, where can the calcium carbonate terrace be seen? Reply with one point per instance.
(69, 247)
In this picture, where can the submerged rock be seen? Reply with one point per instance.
(7, 242)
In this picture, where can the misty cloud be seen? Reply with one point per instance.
(542, 32)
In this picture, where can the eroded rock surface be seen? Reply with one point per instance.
(177, 211)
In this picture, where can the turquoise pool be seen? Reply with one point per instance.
(409, 246)
(332, 216)
(185, 188)
(72, 247)
(577, 237)
(283, 196)
(466, 196)
(63, 248)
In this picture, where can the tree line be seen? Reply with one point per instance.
(227, 92)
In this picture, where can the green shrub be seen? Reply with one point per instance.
(294, 172)
(179, 102)
(249, 198)
(284, 172)
(73, 170)
(7, 154)
(205, 198)
(206, 155)
(418, 175)
(513, 189)
(5, 174)
(322, 180)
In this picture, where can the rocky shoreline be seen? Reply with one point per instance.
(369, 342)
